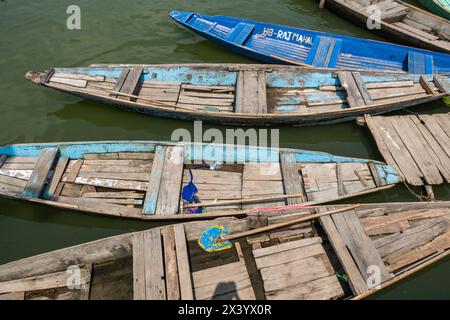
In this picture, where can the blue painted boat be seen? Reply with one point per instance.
(246, 95)
(145, 180)
(272, 43)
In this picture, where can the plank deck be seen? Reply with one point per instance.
(419, 146)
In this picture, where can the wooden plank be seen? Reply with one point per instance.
(286, 246)
(20, 174)
(133, 176)
(120, 81)
(113, 184)
(440, 158)
(441, 84)
(74, 170)
(362, 88)
(292, 177)
(101, 156)
(289, 255)
(426, 85)
(131, 83)
(354, 97)
(3, 158)
(389, 84)
(250, 92)
(357, 282)
(151, 197)
(135, 155)
(43, 282)
(116, 195)
(170, 183)
(155, 288)
(71, 82)
(340, 186)
(262, 92)
(139, 292)
(171, 268)
(12, 296)
(419, 149)
(57, 175)
(359, 244)
(257, 171)
(35, 185)
(403, 158)
(184, 272)
(12, 181)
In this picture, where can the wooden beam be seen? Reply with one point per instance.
(35, 185)
(184, 270)
(154, 183)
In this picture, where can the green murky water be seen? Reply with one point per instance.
(34, 36)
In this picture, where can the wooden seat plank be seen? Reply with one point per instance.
(170, 184)
(151, 196)
(184, 273)
(360, 246)
(36, 184)
(354, 97)
(292, 177)
(357, 282)
(120, 81)
(57, 176)
(170, 262)
(155, 288)
(251, 94)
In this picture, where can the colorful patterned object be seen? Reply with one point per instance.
(210, 239)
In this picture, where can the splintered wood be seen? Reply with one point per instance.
(297, 270)
(419, 146)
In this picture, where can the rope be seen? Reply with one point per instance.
(420, 197)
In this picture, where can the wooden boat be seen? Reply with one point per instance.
(439, 7)
(144, 180)
(272, 43)
(248, 95)
(340, 254)
(401, 21)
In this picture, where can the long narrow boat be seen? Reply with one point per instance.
(272, 43)
(439, 7)
(340, 254)
(248, 95)
(167, 181)
(400, 21)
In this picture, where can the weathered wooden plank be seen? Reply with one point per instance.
(362, 88)
(251, 96)
(13, 296)
(184, 272)
(321, 289)
(441, 84)
(19, 174)
(426, 85)
(361, 247)
(57, 175)
(389, 84)
(155, 288)
(120, 81)
(289, 255)
(13, 181)
(403, 158)
(286, 246)
(35, 185)
(116, 195)
(113, 184)
(136, 155)
(170, 185)
(151, 197)
(3, 158)
(139, 292)
(132, 176)
(74, 170)
(419, 149)
(292, 177)
(42, 282)
(354, 97)
(357, 282)
(101, 156)
(171, 268)
(79, 83)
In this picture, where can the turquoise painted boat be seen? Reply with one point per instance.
(439, 7)
(173, 181)
(246, 95)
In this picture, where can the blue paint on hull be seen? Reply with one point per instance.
(287, 45)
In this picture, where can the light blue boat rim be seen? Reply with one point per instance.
(393, 57)
(302, 78)
(197, 152)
